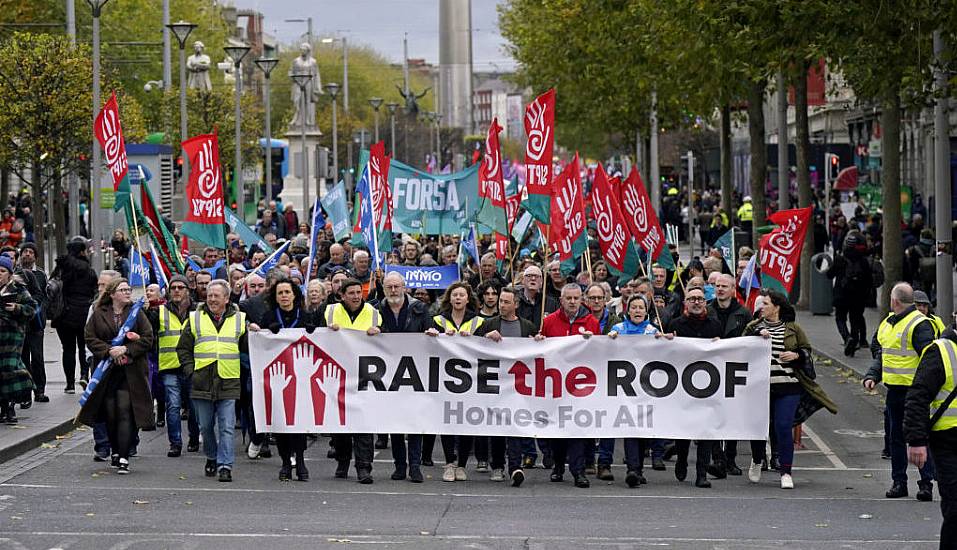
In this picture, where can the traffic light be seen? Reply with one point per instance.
(178, 170)
(834, 166)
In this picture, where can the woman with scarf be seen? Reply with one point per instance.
(122, 398)
(457, 315)
(636, 322)
(284, 310)
(16, 310)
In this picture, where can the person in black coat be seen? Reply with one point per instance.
(403, 313)
(853, 284)
(79, 287)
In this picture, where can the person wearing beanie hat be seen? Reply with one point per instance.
(16, 310)
(924, 306)
(167, 321)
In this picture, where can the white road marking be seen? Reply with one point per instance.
(835, 460)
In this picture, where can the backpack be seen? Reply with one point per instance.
(54, 303)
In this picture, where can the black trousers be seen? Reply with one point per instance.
(404, 456)
(571, 450)
(858, 329)
(119, 419)
(682, 446)
(361, 444)
(289, 445)
(74, 350)
(32, 356)
(945, 459)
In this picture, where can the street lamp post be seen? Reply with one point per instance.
(333, 90)
(95, 210)
(266, 65)
(438, 140)
(376, 102)
(181, 31)
(303, 80)
(237, 53)
(392, 106)
(345, 93)
(430, 116)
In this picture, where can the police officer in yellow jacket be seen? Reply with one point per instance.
(897, 345)
(168, 320)
(746, 214)
(353, 313)
(209, 350)
(928, 421)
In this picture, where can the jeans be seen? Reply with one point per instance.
(101, 439)
(895, 411)
(682, 446)
(177, 387)
(514, 450)
(635, 453)
(217, 422)
(404, 458)
(32, 356)
(782, 423)
(945, 459)
(606, 451)
(528, 447)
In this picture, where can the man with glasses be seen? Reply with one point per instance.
(167, 322)
(530, 299)
(694, 322)
(595, 300)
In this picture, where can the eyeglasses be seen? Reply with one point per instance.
(125, 290)
(178, 287)
(694, 299)
(532, 276)
(596, 298)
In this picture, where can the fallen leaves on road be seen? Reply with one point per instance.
(141, 502)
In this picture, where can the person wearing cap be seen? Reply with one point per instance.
(32, 354)
(16, 310)
(923, 305)
(79, 283)
(746, 214)
(167, 322)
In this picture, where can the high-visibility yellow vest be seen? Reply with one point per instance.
(938, 323)
(336, 314)
(899, 358)
(217, 346)
(746, 212)
(469, 326)
(948, 354)
(170, 329)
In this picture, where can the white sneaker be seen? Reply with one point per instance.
(460, 475)
(787, 482)
(754, 472)
(449, 473)
(498, 474)
(253, 451)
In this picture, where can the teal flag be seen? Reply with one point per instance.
(443, 203)
(334, 202)
(247, 235)
(726, 245)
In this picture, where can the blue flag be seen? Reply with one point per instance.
(725, 244)
(272, 260)
(139, 269)
(432, 278)
(366, 228)
(318, 222)
(157, 268)
(470, 244)
(105, 364)
(247, 235)
(197, 268)
(749, 277)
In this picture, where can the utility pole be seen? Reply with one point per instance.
(654, 169)
(167, 54)
(943, 216)
(784, 172)
(73, 186)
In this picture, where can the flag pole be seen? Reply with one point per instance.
(136, 238)
(653, 304)
(542, 316)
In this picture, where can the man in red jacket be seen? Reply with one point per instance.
(570, 319)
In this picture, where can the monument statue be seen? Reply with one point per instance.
(412, 100)
(197, 65)
(305, 64)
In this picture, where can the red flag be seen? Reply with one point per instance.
(567, 212)
(379, 184)
(110, 135)
(204, 194)
(491, 186)
(640, 215)
(540, 129)
(781, 248)
(613, 233)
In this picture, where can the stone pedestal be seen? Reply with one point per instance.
(293, 183)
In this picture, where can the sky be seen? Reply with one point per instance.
(381, 24)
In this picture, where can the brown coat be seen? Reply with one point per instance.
(100, 330)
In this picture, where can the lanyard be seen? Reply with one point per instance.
(294, 321)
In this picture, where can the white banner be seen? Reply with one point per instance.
(347, 381)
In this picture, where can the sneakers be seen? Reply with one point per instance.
(364, 476)
(70, 390)
(174, 451)
(733, 469)
(582, 482)
(787, 482)
(658, 464)
(460, 474)
(897, 490)
(115, 461)
(604, 473)
(101, 457)
(557, 475)
(754, 472)
(885, 454)
(192, 446)
(210, 468)
(498, 474)
(225, 475)
(518, 477)
(631, 479)
(123, 467)
(850, 347)
(415, 475)
(252, 451)
(925, 491)
(482, 467)
(448, 474)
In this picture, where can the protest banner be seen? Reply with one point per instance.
(431, 278)
(348, 382)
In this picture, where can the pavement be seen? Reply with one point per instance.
(53, 495)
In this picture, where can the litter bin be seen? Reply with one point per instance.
(821, 286)
(741, 238)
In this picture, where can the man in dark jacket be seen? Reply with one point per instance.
(508, 324)
(530, 298)
(933, 380)
(695, 322)
(733, 318)
(32, 354)
(254, 306)
(853, 284)
(403, 313)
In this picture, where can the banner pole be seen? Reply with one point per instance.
(653, 304)
(136, 238)
(542, 316)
